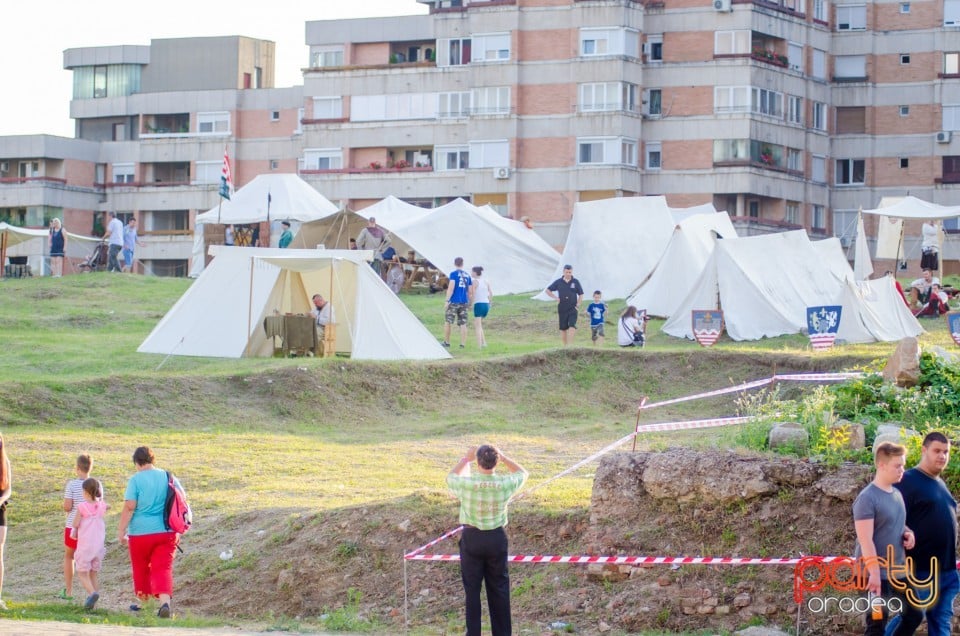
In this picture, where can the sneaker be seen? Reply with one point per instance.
(164, 611)
(461, 346)
(446, 344)
(134, 607)
(91, 601)
(62, 595)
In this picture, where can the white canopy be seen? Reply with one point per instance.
(765, 283)
(35, 243)
(681, 265)
(513, 258)
(910, 207)
(268, 197)
(613, 243)
(222, 313)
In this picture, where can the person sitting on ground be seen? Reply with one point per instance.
(920, 288)
(936, 303)
(630, 331)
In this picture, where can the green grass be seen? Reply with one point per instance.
(294, 437)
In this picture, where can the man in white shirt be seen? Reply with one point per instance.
(114, 238)
(920, 288)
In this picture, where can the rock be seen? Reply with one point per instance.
(741, 600)
(903, 366)
(404, 525)
(845, 483)
(892, 432)
(950, 357)
(791, 472)
(858, 437)
(710, 478)
(788, 434)
(603, 627)
(722, 610)
(761, 631)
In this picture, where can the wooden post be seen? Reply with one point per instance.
(3, 252)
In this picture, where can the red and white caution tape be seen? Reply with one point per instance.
(410, 555)
(630, 560)
(680, 426)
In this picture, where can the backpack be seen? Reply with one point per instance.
(177, 516)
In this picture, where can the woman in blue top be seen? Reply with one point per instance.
(58, 247)
(143, 527)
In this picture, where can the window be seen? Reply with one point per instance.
(490, 47)
(851, 120)
(951, 63)
(208, 172)
(123, 172)
(820, 10)
(654, 48)
(850, 66)
(904, 58)
(794, 160)
(606, 96)
(819, 70)
(328, 107)
(492, 100)
(904, 163)
(274, 115)
(951, 169)
(951, 117)
(454, 105)
(818, 169)
(215, 123)
(767, 102)
(323, 159)
(490, 154)
(731, 42)
(904, 7)
(726, 150)
(819, 116)
(794, 109)
(951, 12)
(904, 110)
(452, 158)
(850, 171)
(654, 154)
(852, 18)
(119, 132)
(274, 164)
(454, 52)
(99, 81)
(795, 56)
(792, 215)
(753, 209)
(393, 107)
(608, 41)
(654, 102)
(731, 99)
(819, 221)
(100, 173)
(845, 225)
(327, 57)
(606, 150)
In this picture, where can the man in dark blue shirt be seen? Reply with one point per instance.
(459, 298)
(568, 293)
(932, 515)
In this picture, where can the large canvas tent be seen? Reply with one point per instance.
(764, 284)
(222, 313)
(681, 265)
(613, 243)
(34, 244)
(513, 258)
(268, 197)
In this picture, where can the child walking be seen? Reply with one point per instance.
(89, 530)
(597, 310)
(72, 497)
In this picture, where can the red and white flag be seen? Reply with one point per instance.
(226, 177)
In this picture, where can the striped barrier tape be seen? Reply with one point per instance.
(631, 560)
(410, 555)
(679, 426)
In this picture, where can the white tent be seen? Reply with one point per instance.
(35, 244)
(764, 284)
(681, 265)
(910, 207)
(513, 260)
(613, 243)
(222, 313)
(268, 197)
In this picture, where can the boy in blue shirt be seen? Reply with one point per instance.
(596, 311)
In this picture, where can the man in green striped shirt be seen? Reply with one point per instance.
(483, 543)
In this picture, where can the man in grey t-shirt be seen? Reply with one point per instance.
(879, 517)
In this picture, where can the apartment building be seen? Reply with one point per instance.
(785, 113)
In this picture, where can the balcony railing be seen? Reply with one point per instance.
(20, 180)
(367, 170)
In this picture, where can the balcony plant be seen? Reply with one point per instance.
(401, 164)
(375, 165)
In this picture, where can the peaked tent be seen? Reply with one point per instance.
(268, 197)
(222, 313)
(682, 263)
(512, 261)
(613, 243)
(765, 283)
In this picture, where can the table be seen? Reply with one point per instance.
(297, 333)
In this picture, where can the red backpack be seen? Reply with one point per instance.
(177, 516)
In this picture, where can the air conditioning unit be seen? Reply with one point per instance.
(4, 166)
(943, 137)
(723, 5)
(501, 173)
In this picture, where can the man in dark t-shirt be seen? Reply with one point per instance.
(568, 292)
(932, 515)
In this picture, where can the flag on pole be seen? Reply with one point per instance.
(226, 178)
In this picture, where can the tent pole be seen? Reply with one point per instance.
(896, 265)
(3, 252)
(250, 308)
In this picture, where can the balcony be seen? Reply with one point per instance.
(165, 125)
(770, 57)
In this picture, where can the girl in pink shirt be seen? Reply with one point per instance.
(89, 529)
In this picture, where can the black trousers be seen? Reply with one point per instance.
(483, 559)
